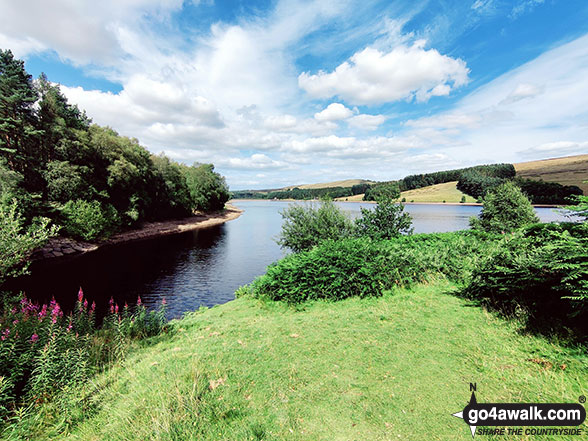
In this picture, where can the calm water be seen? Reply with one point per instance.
(204, 267)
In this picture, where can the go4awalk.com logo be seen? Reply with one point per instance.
(504, 418)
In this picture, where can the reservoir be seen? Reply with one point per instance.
(204, 267)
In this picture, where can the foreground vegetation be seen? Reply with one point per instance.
(392, 367)
(364, 332)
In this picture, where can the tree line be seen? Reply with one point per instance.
(89, 180)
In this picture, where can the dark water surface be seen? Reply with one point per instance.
(204, 267)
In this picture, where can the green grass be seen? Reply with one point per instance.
(447, 192)
(388, 368)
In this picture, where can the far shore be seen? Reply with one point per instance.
(60, 248)
(473, 204)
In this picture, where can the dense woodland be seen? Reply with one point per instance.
(87, 179)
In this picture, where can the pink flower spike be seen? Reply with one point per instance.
(126, 305)
(34, 338)
(80, 295)
(139, 303)
(163, 301)
(116, 308)
(93, 307)
(85, 304)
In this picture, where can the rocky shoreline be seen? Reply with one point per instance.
(59, 248)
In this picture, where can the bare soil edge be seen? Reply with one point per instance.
(60, 248)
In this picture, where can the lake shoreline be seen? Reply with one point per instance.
(471, 204)
(58, 249)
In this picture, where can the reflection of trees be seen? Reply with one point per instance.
(122, 271)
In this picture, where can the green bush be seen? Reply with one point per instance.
(16, 243)
(362, 267)
(386, 221)
(540, 273)
(305, 226)
(88, 220)
(504, 210)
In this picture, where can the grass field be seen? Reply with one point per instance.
(447, 192)
(434, 193)
(571, 170)
(389, 368)
(345, 183)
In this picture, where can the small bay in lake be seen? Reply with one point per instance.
(204, 267)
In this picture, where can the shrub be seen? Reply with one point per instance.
(88, 220)
(580, 208)
(541, 271)
(305, 226)
(386, 221)
(504, 210)
(16, 243)
(361, 267)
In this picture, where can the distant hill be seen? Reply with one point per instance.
(346, 183)
(569, 170)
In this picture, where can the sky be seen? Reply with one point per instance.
(287, 92)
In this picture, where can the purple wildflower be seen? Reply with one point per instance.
(80, 295)
(163, 301)
(34, 338)
(43, 312)
(139, 303)
(5, 334)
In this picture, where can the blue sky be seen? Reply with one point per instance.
(284, 92)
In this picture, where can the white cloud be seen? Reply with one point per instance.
(559, 148)
(447, 121)
(374, 77)
(366, 122)
(535, 111)
(333, 112)
(280, 122)
(256, 161)
(524, 6)
(521, 92)
(80, 31)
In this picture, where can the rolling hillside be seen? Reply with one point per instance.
(570, 170)
(345, 183)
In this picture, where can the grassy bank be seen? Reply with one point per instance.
(394, 367)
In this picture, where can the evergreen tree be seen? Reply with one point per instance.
(18, 134)
(505, 209)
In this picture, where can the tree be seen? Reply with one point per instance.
(505, 209)
(15, 243)
(307, 225)
(581, 207)
(386, 221)
(208, 189)
(381, 191)
(18, 135)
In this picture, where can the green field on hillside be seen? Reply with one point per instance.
(394, 367)
(570, 170)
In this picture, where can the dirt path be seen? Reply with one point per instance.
(59, 248)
